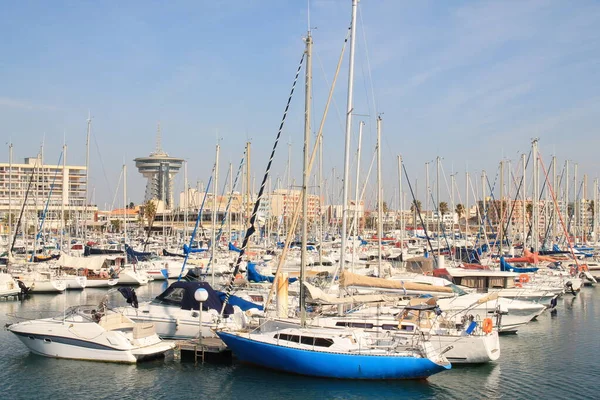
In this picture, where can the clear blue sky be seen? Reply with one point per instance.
(469, 81)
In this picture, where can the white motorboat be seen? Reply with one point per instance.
(85, 333)
(8, 286)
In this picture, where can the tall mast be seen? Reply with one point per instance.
(575, 224)
(215, 207)
(499, 227)
(349, 110)
(231, 192)
(379, 197)
(87, 174)
(483, 211)
(536, 215)
(467, 210)
(401, 198)
(10, 189)
(185, 201)
(65, 187)
(305, 177)
(125, 204)
(439, 216)
(524, 205)
(555, 188)
(321, 200)
(356, 193)
(248, 209)
(595, 212)
(567, 216)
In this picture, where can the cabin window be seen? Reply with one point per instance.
(257, 298)
(408, 328)
(174, 296)
(363, 325)
(389, 327)
(309, 340)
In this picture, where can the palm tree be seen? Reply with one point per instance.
(529, 210)
(149, 211)
(443, 208)
(459, 210)
(416, 205)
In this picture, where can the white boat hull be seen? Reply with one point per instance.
(130, 277)
(101, 283)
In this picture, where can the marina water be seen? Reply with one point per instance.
(553, 357)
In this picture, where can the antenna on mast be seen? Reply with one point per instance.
(158, 140)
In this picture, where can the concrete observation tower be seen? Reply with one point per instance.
(159, 169)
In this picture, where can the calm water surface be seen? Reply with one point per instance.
(553, 357)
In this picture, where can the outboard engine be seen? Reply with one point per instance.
(553, 304)
(569, 287)
(24, 290)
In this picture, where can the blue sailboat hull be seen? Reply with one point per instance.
(329, 365)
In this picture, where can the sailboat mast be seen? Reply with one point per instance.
(87, 174)
(185, 201)
(536, 215)
(305, 177)
(524, 205)
(349, 109)
(125, 204)
(379, 198)
(65, 187)
(356, 194)
(213, 245)
(10, 189)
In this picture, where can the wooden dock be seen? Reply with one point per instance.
(209, 350)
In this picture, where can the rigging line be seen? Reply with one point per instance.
(556, 209)
(23, 208)
(562, 174)
(368, 59)
(251, 228)
(237, 175)
(112, 205)
(417, 208)
(198, 218)
(108, 185)
(514, 205)
(43, 218)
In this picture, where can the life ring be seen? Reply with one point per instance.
(583, 267)
(524, 278)
(573, 271)
(488, 325)
(238, 276)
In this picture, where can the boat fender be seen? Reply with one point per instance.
(487, 325)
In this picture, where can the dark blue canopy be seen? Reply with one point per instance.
(136, 255)
(182, 294)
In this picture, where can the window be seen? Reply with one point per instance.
(308, 340)
(173, 297)
(363, 325)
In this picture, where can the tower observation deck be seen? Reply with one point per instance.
(159, 169)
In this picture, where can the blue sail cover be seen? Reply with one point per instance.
(244, 305)
(136, 255)
(187, 250)
(255, 276)
(504, 266)
(233, 248)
